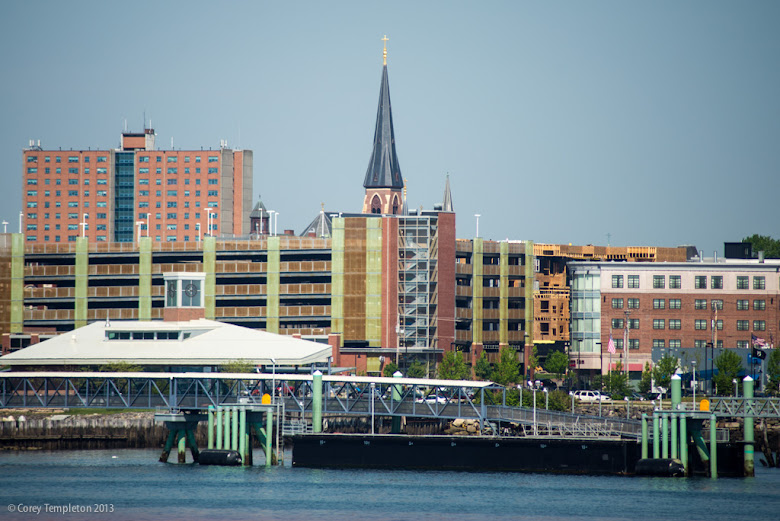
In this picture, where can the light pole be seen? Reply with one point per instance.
(546, 399)
(83, 225)
(477, 216)
(208, 222)
(693, 363)
(534, 391)
(139, 224)
(276, 221)
(20, 221)
(197, 227)
(271, 221)
(736, 388)
(5, 226)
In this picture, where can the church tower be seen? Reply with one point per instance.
(383, 183)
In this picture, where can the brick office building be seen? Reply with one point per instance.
(668, 307)
(107, 195)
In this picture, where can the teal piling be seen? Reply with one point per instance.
(234, 429)
(664, 435)
(656, 436)
(226, 428)
(676, 391)
(242, 434)
(168, 446)
(395, 424)
(211, 427)
(316, 404)
(684, 442)
(219, 429)
(644, 435)
(747, 393)
(190, 434)
(673, 419)
(269, 429)
(713, 446)
(182, 439)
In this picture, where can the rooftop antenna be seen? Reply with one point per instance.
(609, 236)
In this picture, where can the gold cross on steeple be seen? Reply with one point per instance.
(384, 52)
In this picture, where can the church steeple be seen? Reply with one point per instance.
(383, 181)
(447, 203)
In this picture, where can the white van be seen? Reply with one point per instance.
(589, 396)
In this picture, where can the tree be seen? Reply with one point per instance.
(389, 369)
(237, 366)
(663, 371)
(416, 370)
(646, 383)
(507, 371)
(773, 371)
(533, 361)
(765, 243)
(729, 365)
(557, 363)
(482, 369)
(119, 367)
(452, 367)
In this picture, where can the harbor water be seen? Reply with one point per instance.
(132, 484)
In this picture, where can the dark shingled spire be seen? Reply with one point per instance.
(383, 170)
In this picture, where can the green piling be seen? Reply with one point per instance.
(269, 429)
(226, 428)
(190, 434)
(211, 427)
(644, 435)
(684, 442)
(673, 419)
(747, 393)
(713, 446)
(316, 403)
(395, 426)
(656, 436)
(664, 435)
(234, 429)
(219, 428)
(168, 446)
(676, 391)
(182, 439)
(242, 434)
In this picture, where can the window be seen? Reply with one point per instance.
(172, 159)
(101, 216)
(617, 323)
(171, 204)
(743, 282)
(759, 325)
(743, 305)
(719, 324)
(101, 159)
(699, 344)
(716, 282)
(213, 193)
(700, 324)
(659, 323)
(743, 325)
(32, 170)
(73, 181)
(700, 304)
(213, 171)
(717, 303)
(32, 159)
(143, 181)
(659, 281)
(618, 344)
(170, 238)
(617, 303)
(658, 343)
(675, 323)
(32, 193)
(171, 227)
(172, 181)
(171, 216)
(197, 159)
(633, 281)
(102, 204)
(32, 204)
(144, 170)
(172, 170)
(213, 204)
(73, 170)
(633, 323)
(158, 170)
(675, 344)
(742, 344)
(675, 282)
(102, 171)
(172, 193)
(73, 215)
(143, 193)
(700, 282)
(659, 303)
(32, 181)
(143, 159)
(633, 343)
(143, 204)
(73, 204)
(187, 170)
(759, 282)
(73, 159)
(759, 305)
(213, 159)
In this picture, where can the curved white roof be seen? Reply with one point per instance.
(200, 343)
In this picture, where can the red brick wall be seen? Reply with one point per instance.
(446, 285)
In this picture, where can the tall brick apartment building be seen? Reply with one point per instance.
(117, 195)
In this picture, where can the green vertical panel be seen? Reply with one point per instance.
(529, 291)
(82, 272)
(337, 277)
(145, 279)
(476, 259)
(374, 282)
(210, 267)
(272, 286)
(17, 282)
(503, 303)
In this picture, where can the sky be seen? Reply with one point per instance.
(633, 123)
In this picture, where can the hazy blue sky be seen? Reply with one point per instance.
(657, 122)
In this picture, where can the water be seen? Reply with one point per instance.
(134, 485)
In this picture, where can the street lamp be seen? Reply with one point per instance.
(271, 221)
(477, 216)
(276, 221)
(197, 227)
(139, 224)
(5, 226)
(83, 225)
(693, 363)
(736, 387)
(208, 222)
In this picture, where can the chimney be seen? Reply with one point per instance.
(761, 257)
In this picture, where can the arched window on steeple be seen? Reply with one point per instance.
(395, 205)
(376, 205)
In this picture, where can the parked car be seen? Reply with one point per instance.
(589, 396)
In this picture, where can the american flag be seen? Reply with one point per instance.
(756, 341)
(611, 346)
